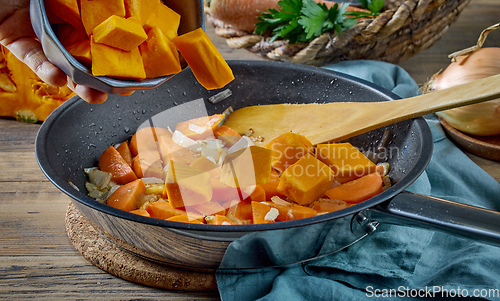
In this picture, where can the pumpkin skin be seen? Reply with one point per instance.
(23, 95)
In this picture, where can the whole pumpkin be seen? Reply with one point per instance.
(23, 95)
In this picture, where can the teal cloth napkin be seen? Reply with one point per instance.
(395, 262)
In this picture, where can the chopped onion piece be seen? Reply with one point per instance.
(272, 214)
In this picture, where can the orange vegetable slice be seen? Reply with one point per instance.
(94, 12)
(288, 148)
(357, 190)
(142, 9)
(146, 138)
(347, 162)
(162, 210)
(201, 127)
(114, 62)
(187, 186)
(260, 213)
(183, 218)
(118, 32)
(66, 10)
(227, 135)
(159, 55)
(306, 180)
(206, 62)
(127, 196)
(142, 212)
(81, 52)
(111, 161)
(158, 17)
(124, 151)
(329, 205)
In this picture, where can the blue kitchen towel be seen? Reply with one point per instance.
(395, 262)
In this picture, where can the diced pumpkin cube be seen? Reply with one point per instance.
(162, 210)
(184, 218)
(66, 10)
(124, 151)
(220, 220)
(306, 180)
(146, 138)
(141, 9)
(329, 205)
(241, 210)
(121, 33)
(271, 187)
(157, 19)
(288, 148)
(210, 208)
(263, 213)
(94, 12)
(358, 190)
(227, 135)
(111, 161)
(206, 62)
(347, 162)
(292, 211)
(223, 193)
(201, 127)
(255, 194)
(159, 55)
(142, 212)
(126, 197)
(187, 186)
(81, 52)
(148, 164)
(114, 62)
(246, 167)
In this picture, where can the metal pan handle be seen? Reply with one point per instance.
(411, 209)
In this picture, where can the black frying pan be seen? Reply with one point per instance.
(74, 136)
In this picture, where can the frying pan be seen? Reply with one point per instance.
(75, 134)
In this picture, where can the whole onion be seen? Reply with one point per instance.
(481, 119)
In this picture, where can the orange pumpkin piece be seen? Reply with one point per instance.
(357, 190)
(114, 62)
(69, 35)
(247, 167)
(146, 138)
(94, 12)
(258, 194)
(162, 210)
(142, 9)
(184, 218)
(306, 180)
(206, 62)
(111, 161)
(271, 187)
(241, 210)
(124, 151)
(288, 148)
(81, 52)
(126, 197)
(121, 33)
(148, 164)
(66, 10)
(201, 127)
(159, 55)
(227, 135)
(187, 186)
(158, 17)
(292, 211)
(329, 205)
(221, 220)
(347, 162)
(142, 212)
(210, 208)
(263, 213)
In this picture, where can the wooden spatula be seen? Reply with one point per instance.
(340, 120)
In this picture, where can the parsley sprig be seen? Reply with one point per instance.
(300, 21)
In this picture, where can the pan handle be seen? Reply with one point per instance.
(411, 209)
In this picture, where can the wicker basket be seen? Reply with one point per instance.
(402, 30)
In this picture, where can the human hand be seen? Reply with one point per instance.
(17, 35)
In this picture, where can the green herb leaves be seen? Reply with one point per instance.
(303, 20)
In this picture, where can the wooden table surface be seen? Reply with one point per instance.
(37, 260)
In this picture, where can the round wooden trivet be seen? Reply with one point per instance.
(116, 261)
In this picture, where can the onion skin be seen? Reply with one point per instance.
(482, 119)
